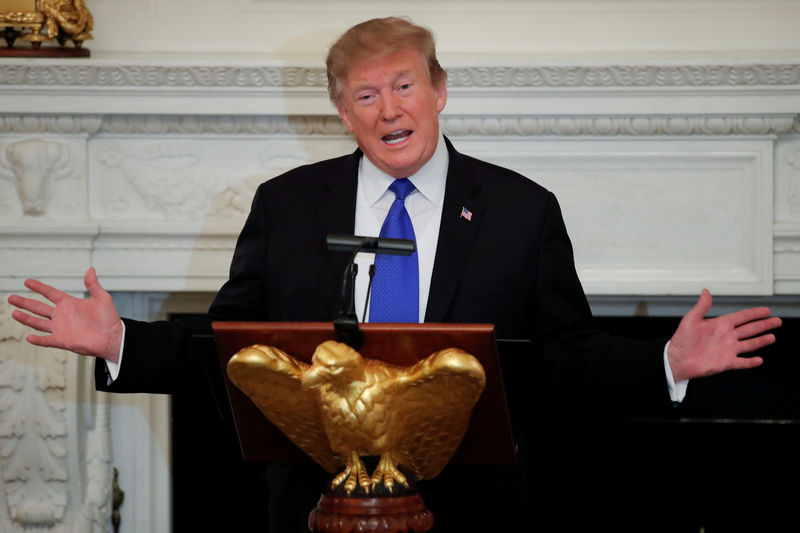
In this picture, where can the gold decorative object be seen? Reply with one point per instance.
(38, 21)
(343, 407)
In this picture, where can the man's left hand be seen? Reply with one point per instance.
(706, 346)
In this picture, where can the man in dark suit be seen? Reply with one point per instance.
(492, 248)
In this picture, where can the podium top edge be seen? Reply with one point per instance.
(328, 326)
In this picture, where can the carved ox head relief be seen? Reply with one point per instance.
(34, 164)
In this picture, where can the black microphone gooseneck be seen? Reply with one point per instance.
(369, 291)
(346, 322)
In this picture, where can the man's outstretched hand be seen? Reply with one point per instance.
(88, 326)
(702, 347)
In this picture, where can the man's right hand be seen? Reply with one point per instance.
(88, 326)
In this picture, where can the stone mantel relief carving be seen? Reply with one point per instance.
(170, 181)
(787, 186)
(167, 177)
(186, 179)
(35, 429)
(793, 194)
(36, 167)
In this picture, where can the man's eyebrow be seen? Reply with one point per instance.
(395, 76)
(364, 86)
(402, 73)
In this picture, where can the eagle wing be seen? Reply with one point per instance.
(430, 407)
(272, 379)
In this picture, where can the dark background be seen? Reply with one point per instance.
(725, 460)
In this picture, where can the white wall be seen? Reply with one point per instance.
(466, 29)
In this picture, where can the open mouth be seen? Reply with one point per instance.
(396, 137)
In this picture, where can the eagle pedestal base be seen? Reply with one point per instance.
(391, 514)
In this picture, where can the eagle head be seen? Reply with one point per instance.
(335, 363)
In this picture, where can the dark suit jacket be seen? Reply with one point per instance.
(510, 265)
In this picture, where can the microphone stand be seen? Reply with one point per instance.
(346, 322)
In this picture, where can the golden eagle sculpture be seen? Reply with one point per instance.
(343, 407)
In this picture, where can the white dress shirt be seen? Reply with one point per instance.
(424, 206)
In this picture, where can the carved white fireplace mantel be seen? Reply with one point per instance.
(673, 176)
(145, 169)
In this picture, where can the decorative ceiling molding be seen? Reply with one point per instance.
(559, 76)
(160, 76)
(488, 126)
(609, 76)
(617, 126)
(167, 242)
(59, 124)
(223, 125)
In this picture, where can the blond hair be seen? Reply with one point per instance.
(377, 38)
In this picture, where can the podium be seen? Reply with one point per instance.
(488, 439)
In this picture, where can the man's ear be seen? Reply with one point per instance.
(440, 93)
(342, 109)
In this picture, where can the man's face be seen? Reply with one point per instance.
(392, 108)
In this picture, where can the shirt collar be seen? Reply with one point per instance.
(429, 180)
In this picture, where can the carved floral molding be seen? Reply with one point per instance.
(610, 126)
(625, 76)
(451, 124)
(62, 124)
(34, 441)
(494, 76)
(33, 430)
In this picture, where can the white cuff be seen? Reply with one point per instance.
(112, 369)
(677, 391)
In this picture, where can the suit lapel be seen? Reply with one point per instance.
(336, 213)
(456, 234)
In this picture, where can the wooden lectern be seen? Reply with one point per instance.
(488, 439)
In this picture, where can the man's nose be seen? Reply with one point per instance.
(391, 107)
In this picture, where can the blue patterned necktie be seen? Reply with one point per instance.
(395, 289)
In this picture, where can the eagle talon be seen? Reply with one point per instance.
(388, 482)
(387, 472)
(355, 473)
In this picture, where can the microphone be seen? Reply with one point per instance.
(346, 322)
(375, 245)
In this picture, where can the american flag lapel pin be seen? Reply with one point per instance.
(466, 213)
